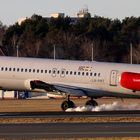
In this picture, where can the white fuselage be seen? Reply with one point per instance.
(105, 77)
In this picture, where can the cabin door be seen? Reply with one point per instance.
(113, 78)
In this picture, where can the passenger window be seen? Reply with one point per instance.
(49, 71)
(62, 72)
(25, 70)
(45, 71)
(67, 72)
(22, 70)
(17, 69)
(37, 70)
(95, 74)
(34, 70)
(41, 71)
(6, 69)
(83, 73)
(70, 72)
(2, 69)
(54, 71)
(91, 74)
(75, 73)
(79, 73)
(87, 74)
(14, 69)
(10, 69)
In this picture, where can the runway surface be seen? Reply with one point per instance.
(122, 113)
(69, 130)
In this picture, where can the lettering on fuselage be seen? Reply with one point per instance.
(84, 68)
(97, 80)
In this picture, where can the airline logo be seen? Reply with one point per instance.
(84, 68)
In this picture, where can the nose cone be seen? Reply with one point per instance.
(130, 80)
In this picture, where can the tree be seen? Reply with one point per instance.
(73, 37)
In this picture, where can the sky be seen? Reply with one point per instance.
(12, 10)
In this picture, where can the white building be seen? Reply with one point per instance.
(8, 94)
(20, 20)
(56, 15)
(83, 13)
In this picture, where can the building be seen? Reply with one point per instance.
(83, 13)
(56, 15)
(20, 20)
(13, 95)
(8, 94)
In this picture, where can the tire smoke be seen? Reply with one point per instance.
(105, 107)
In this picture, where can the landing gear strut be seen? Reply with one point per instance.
(67, 104)
(91, 102)
(70, 104)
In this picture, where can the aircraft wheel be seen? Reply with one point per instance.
(67, 104)
(92, 103)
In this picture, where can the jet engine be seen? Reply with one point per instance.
(27, 85)
(37, 85)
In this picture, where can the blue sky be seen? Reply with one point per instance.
(11, 10)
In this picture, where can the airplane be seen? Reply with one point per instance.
(72, 78)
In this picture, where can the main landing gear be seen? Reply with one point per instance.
(70, 104)
(67, 104)
(91, 102)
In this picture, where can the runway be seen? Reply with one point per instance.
(56, 114)
(69, 130)
(44, 119)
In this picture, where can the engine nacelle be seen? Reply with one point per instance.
(27, 85)
(37, 85)
(130, 80)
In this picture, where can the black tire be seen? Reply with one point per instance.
(92, 103)
(67, 104)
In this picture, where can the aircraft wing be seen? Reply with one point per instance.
(38, 85)
(71, 90)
